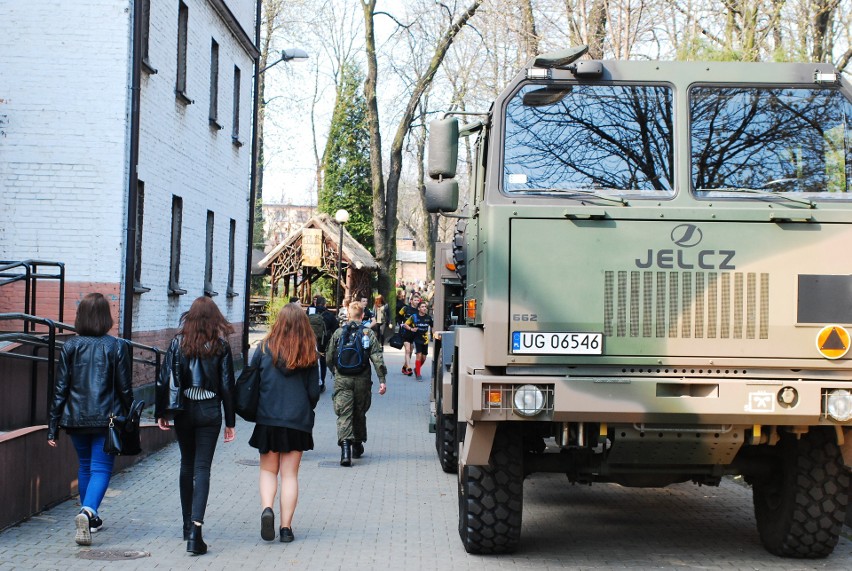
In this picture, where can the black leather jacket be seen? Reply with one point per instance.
(93, 379)
(215, 374)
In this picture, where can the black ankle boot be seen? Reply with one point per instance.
(357, 449)
(195, 544)
(346, 453)
(187, 524)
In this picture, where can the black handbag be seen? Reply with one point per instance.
(247, 393)
(122, 437)
(396, 341)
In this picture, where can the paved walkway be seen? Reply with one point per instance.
(396, 509)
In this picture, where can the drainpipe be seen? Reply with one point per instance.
(252, 190)
(132, 178)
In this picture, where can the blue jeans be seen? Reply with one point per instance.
(197, 429)
(95, 469)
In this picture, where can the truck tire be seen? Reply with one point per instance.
(445, 435)
(491, 497)
(800, 510)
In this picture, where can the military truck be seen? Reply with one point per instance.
(651, 283)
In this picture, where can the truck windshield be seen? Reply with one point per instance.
(751, 142)
(613, 140)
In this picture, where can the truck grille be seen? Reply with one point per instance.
(700, 305)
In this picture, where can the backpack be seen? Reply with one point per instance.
(318, 325)
(351, 359)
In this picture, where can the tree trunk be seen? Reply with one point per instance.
(385, 198)
(530, 38)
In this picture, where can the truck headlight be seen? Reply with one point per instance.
(839, 406)
(528, 400)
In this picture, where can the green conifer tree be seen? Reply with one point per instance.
(346, 160)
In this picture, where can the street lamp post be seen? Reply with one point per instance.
(290, 54)
(342, 217)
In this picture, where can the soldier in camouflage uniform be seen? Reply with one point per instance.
(351, 397)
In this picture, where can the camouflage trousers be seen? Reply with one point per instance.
(351, 400)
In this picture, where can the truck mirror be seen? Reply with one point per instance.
(442, 195)
(443, 147)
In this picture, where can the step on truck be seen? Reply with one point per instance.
(650, 283)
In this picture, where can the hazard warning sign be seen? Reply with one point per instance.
(832, 341)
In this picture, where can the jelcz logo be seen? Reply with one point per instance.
(687, 236)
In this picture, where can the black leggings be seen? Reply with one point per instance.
(197, 428)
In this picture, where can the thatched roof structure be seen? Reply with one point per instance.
(284, 261)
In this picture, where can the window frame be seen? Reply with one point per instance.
(213, 113)
(232, 239)
(138, 288)
(182, 49)
(174, 251)
(235, 115)
(208, 254)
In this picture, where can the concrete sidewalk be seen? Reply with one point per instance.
(396, 509)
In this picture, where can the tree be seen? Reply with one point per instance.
(385, 197)
(346, 160)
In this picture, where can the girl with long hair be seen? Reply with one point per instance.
(195, 384)
(289, 392)
(93, 381)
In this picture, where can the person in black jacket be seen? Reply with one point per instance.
(195, 384)
(93, 381)
(289, 392)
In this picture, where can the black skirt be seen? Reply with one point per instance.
(279, 439)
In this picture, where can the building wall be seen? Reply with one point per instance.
(63, 134)
(182, 154)
(64, 144)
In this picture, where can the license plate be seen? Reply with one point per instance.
(541, 343)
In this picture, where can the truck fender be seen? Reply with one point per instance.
(478, 439)
(844, 441)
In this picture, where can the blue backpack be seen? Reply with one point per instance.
(351, 358)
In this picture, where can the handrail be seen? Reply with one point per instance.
(51, 356)
(51, 344)
(30, 277)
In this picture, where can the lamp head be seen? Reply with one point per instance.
(290, 54)
(341, 216)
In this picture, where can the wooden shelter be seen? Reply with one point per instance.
(316, 243)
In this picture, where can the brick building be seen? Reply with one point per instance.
(143, 197)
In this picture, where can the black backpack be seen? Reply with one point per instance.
(351, 359)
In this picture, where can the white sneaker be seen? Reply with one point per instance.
(83, 536)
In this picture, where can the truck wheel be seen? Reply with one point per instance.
(491, 497)
(800, 510)
(445, 435)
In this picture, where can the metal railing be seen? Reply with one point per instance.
(30, 272)
(49, 342)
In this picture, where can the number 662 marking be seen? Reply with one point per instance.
(525, 317)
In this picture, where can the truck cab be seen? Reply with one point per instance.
(652, 284)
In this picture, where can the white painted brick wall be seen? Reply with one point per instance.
(244, 11)
(64, 120)
(180, 154)
(63, 136)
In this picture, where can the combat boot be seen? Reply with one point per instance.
(346, 453)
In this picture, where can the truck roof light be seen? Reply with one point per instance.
(825, 77)
(451, 267)
(536, 73)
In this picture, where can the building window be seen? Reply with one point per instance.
(208, 258)
(137, 267)
(214, 84)
(235, 133)
(183, 23)
(174, 264)
(232, 236)
(145, 36)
